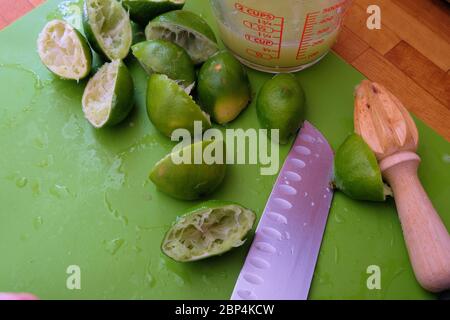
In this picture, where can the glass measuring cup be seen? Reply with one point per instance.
(279, 36)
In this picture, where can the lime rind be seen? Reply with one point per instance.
(64, 51)
(357, 173)
(223, 87)
(107, 97)
(189, 181)
(280, 104)
(142, 11)
(108, 28)
(186, 29)
(211, 230)
(170, 107)
(163, 57)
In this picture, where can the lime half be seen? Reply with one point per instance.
(108, 28)
(211, 229)
(142, 11)
(357, 173)
(280, 105)
(64, 51)
(108, 96)
(170, 107)
(160, 56)
(223, 87)
(189, 180)
(186, 29)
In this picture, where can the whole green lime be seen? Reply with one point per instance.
(223, 87)
(280, 105)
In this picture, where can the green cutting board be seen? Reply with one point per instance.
(72, 195)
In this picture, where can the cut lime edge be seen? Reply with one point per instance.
(111, 52)
(219, 239)
(170, 29)
(99, 94)
(79, 50)
(186, 91)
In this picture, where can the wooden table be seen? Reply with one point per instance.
(410, 54)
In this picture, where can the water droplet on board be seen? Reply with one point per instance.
(114, 212)
(336, 255)
(137, 249)
(72, 129)
(113, 246)
(38, 222)
(45, 163)
(21, 182)
(149, 279)
(36, 188)
(59, 191)
(338, 218)
(115, 178)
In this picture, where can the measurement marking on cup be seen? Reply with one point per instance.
(264, 32)
(318, 26)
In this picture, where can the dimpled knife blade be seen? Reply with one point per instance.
(281, 261)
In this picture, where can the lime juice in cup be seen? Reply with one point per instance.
(279, 36)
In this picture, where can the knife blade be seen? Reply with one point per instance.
(282, 258)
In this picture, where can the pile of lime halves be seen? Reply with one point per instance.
(180, 53)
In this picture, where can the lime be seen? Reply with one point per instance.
(223, 87)
(160, 56)
(170, 107)
(108, 28)
(210, 229)
(142, 11)
(108, 96)
(64, 51)
(280, 105)
(186, 29)
(190, 180)
(356, 171)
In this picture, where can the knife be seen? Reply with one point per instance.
(282, 258)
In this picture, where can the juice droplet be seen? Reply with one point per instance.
(21, 182)
(114, 212)
(114, 245)
(38, 222)
(36, 188)
(59, 191)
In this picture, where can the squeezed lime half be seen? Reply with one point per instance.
(210, 229)
(108, 96)
(188, 30)
(64, 51)
(108, 28)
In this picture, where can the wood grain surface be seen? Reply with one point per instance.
(410, 55)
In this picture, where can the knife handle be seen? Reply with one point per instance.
(426, 236)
